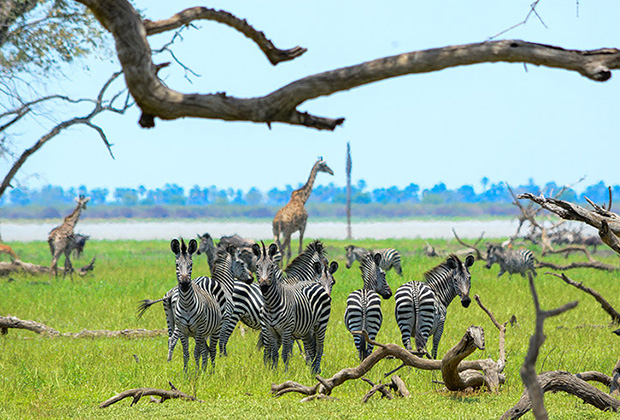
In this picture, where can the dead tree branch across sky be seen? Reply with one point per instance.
(155, 99)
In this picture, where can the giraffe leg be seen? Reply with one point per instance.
(68, 265)
(302, 229)
(54, 264)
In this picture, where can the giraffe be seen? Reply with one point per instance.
(61, 239)
(293, 216)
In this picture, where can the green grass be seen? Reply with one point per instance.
(68, 378)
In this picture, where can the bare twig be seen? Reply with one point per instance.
(138, 393)
(472, 247)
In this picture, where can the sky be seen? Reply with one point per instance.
(506, 122)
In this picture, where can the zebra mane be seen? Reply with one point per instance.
(306, 258)
(436, 272)
(368, 267)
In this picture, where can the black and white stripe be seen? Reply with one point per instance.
(364, 305)
(291, 311)
(196, 312)
(512, 261)
(421, 307)
(390, 258)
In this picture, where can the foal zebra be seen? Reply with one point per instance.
(291, 311)
(196, 312)
(364, 305)
(421, 307)
(514, 261)
(390, 258)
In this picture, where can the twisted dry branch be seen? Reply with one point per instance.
(138, 393)
(157, 100)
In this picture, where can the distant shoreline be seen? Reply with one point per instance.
(26, 231)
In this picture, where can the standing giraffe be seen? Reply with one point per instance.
(293, 216)
(61, 239)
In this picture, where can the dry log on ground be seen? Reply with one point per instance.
(138, 393)
(564, 381)
(325, 386)
(382, 388)
(578, 264)
(615, 316)
(18, 266)
(398, 385)
(7, 322)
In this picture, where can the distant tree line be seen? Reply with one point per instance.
(326, 200)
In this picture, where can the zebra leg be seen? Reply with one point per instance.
(319, 336)
(405, 318)
(215, 337)
(228, 326)
(172, 342)
(309, 348)
(185, 343)
(287, 347)
(437, 338)
(199, 350)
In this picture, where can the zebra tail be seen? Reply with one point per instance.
(146, 304)
(419, 344)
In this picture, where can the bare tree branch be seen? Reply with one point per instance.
(528, 370)
(138, 393)
(99, 106)
(615, 316)
(185, 17)
(157, 100)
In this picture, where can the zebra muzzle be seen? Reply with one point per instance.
(465, 301)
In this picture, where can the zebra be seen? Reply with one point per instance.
(207, 247)
(513, 261)
(248, 299)
(196, 312)
(291, 311)
(225, 269)
(421, 307)
(364, 305)
(390, 258)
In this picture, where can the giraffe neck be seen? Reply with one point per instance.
(72, 219)
(304, 192)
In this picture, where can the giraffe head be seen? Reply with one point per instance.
(322, 166)
(184, 262)
(82, 200)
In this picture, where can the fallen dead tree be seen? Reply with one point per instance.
(7, 322)
(18, 266)
(138, 393)
(457, 374)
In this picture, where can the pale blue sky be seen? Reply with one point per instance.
(454, 126)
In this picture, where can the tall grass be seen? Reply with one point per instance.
(67, 378)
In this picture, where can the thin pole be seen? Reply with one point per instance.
(349, 166)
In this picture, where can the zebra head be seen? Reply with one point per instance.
(461, 277)
(239, 268)
(206, 245)
(184, 263)
(325, 274)
(265, 266)
(350, 255)
(374, 276)
(495, 253)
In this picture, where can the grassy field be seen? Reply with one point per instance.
(68, 378)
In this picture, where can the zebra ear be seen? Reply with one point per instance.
(317, 267)
(174, 245)
(333, 267)
(377, 258)
(273, 249)
(451, 263)
(256, 250)
(469, 261)
(193, 245)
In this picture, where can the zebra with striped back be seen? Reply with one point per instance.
(512, 261)
(364, 305)
(421, 307)
(390, 258)
(291, 311)
(196, 312)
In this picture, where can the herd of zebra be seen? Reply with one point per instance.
(294, 303)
